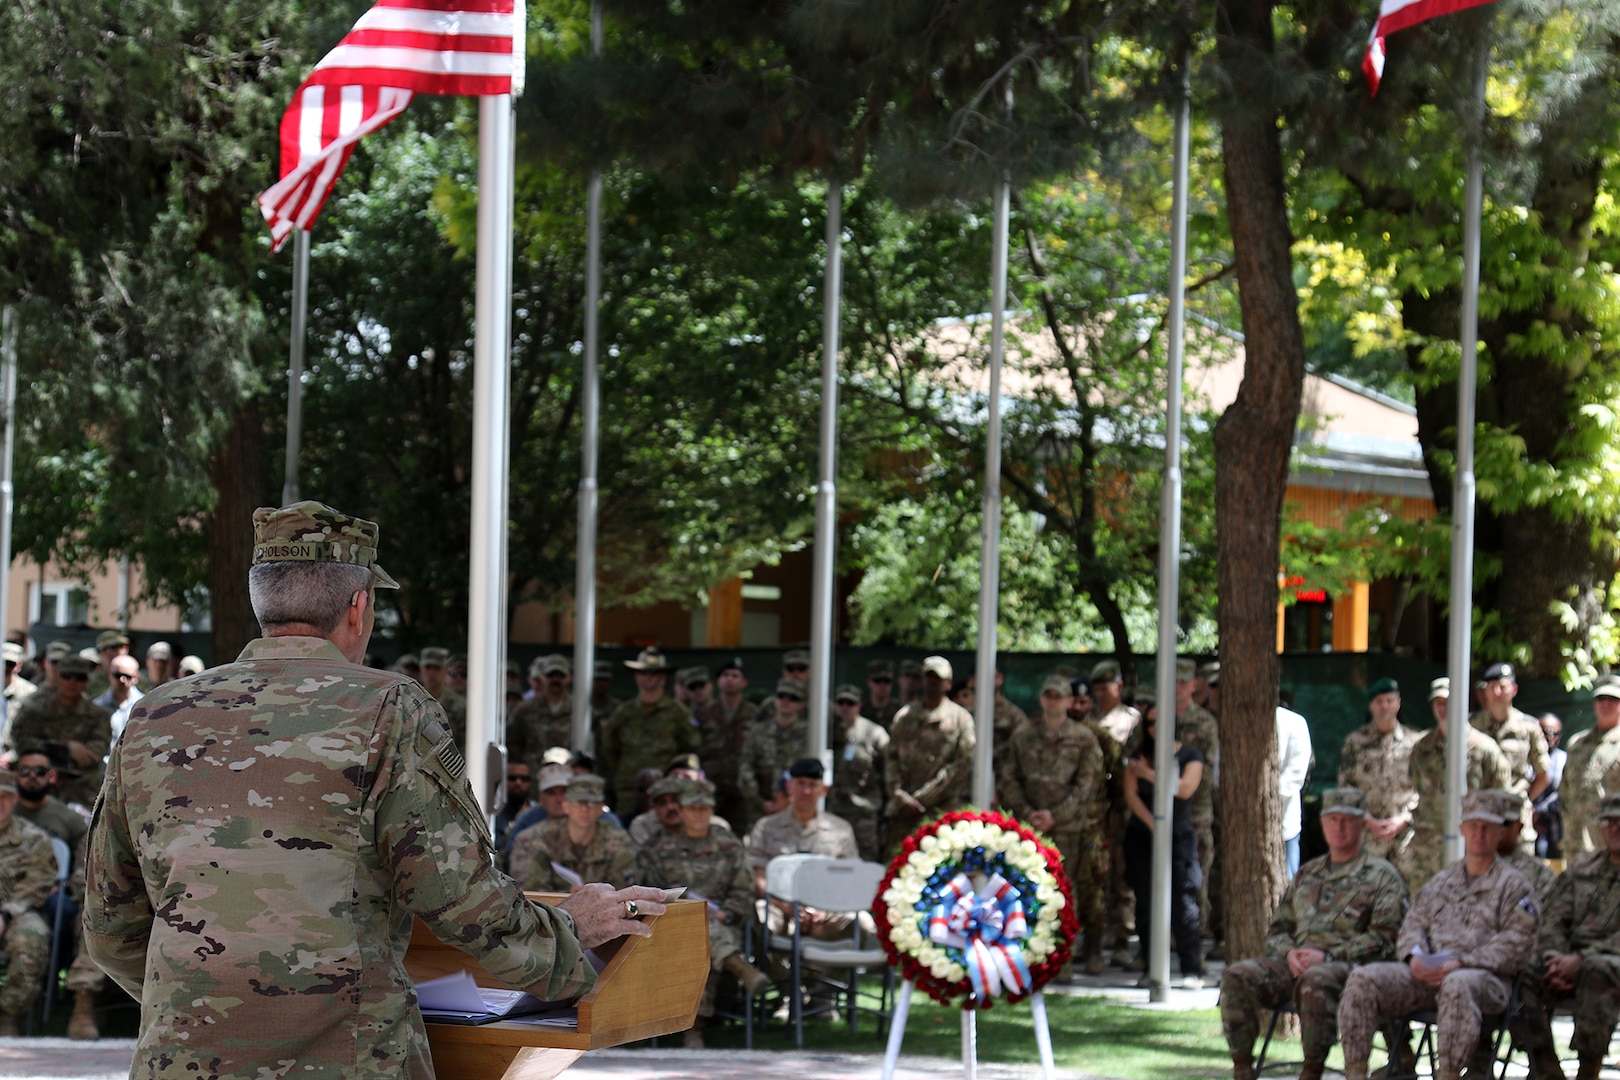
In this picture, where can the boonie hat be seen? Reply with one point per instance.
(650, 660)
(1350, 801)
(310, 531)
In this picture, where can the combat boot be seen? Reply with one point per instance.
(755, 981)
(1242, 1067)
(1094, 965)
(82, 1024)
(1544, 1064)
(693, 1039)
(1591, 1066)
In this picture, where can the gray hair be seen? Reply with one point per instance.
(315, 593)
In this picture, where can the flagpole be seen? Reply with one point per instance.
(8, 377)
(486, 622)
(823, 579)
(590, 417)
(295, 365)
(1164, 762)
(1460, 630)
(984, 693)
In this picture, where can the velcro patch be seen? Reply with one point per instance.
(1529, 905)
(449, 755)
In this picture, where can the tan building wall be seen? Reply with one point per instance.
(95, 602)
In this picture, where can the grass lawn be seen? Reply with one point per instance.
(1089, 1035)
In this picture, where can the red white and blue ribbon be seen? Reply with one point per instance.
(987, 924)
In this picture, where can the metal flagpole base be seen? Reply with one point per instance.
(1043, 1034)
(897, 1028)
(970, 1043)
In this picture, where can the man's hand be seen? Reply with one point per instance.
(83, 756)
(1385, 828)
(600, 913)
(1561, 971)
(1431, 976)
(902, 802)
(1041, 819)
(1302, 960)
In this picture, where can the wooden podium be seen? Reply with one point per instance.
(650, 986)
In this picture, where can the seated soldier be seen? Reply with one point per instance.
(1340, 910)
(1470, 930)
(582, 840)
(713, 866)
(1517, 855)
(663, 814)
(524, 837)
(803, 829)
(1579, 947)
(27, 875)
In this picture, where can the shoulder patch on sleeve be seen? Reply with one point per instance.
(1529, 904)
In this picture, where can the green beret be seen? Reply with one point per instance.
(1386, 685)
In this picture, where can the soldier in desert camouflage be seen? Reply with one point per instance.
(293, 811)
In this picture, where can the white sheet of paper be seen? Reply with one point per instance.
(566, 874)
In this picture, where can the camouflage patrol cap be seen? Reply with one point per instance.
(690, 676)
(1057, 684)
(1607, 687)
(847, 693)
(56, 650)
(111, 639)
(557, 755)
(434, 656)
(1146, 698)
(697, 793)
(1210, 671)
(937, 666)
(160, 650)
(880, 669)
(553, 776)
(668, 785)
(1440, 688)
(8, 782)
(1352, 802)
(1105, 671)
(912, 668)
(602, 669)
(73, 664)
(1510, 804)
(90, 653)
(191, 665)
(1609, 807)
(586, 788)
(649, 660)
(555, 664)
(1482, 805)
(1186, 670)
(795, 657)
(790, 687)
(314, 532)
(13, 652)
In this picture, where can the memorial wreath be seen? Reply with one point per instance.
(976, 905)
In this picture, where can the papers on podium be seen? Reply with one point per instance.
(457, 999)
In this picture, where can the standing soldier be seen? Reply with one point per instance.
(1486, 768)
(1375, 759)
(1197, 727)
(546, 719)
(1123, 725)
(1006, 719)
(929, 764)
(1342, 909)
(713, 865)
(723, 726)
(603, 703)
(774, 742)
(68, 727)
(644, 733)
(881, 704)
(1519, 737)
(1050, 777)
(1592, 771)
(435, 680)
(857, 794)
(27, 876)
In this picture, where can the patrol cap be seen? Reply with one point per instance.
(683, 761)
(807, 768)
(1386, 685)
(1210, 671)
(791, 688)
(697, 793)
(1186, 670)
(160, 650)
(111, 639)
(1057, 684)
(1499, 670)
(1482, 805)
(1511, 805)
(880, 669)
(1440, 688)
(667, 785)
(309, 531)
(693, 676)
(434, 656)
(650, 660)
(557, 755)
(911, 668)
(1105, 671)
(57, 649)
(555, 664)
(1146, 698)
(847, 692)
(586, 788)
(74, 664)
(8, 782)
(1609, 807)
(602, 669)
(191, 665)
(458, 659)
(1349, 801)
(796, 657)
(512, 668)
(733, 664)
(553, 776)
(937, 665)
(13, 652)
(91, 654)
(1607, 687)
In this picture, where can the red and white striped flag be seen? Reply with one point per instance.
(397, 49)
(1396, 15)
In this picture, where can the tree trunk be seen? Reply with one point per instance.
(1253, 441)
(237, 472)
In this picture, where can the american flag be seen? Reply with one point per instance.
(1396, 15)
(399, 48)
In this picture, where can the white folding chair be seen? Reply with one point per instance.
(835, 886)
